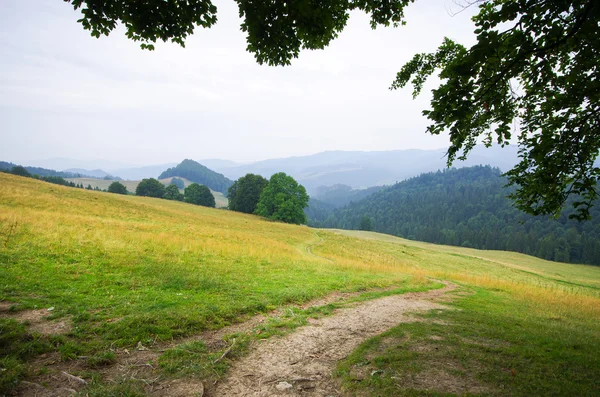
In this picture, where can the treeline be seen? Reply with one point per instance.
(468, 207)
(39, 172)
(57, 180)
(196, 172)
(193, 193)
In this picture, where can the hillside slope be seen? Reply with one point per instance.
(198, 173)
(468, 207)
(125, 287)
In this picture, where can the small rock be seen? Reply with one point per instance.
(283, 386)
(141, 347)
(65, 391)
(50, 308)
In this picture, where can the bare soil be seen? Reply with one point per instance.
(36, 320)
(302, 363)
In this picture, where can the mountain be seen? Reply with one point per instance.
(97, 173)
(61, 163)
(342, 195)
(137, 173)
(101, 168)
(4, 165)
(468, 207)
(198, 173)
(359, 169)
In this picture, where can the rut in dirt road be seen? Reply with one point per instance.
(306, 358)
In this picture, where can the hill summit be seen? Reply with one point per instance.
(196, 172)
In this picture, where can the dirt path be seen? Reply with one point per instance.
(301, 363)
(309, 249)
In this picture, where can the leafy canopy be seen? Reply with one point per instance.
(366, 224)
(533, 75)
(150, 187)
(117, 187)
(173, 193)
(199, 195)
(276, 30)
(244, 194)
(283, 200)
(178, 182)
(20, 171)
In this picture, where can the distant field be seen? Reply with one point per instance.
(511, 265)
(220, 199)
(127, 273)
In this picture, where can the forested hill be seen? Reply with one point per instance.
(341, 195)
(468, 207)
(6, 166)
(196, 172)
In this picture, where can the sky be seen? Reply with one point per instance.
(66, 94)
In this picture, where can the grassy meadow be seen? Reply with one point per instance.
(127, 270)
(220, 199)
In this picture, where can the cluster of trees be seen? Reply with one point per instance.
(196, 172)
(280, 198)
(193, 194)
(469, 207)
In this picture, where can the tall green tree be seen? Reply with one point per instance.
(283, 200)
(20, 171)
(244, 194)
(173, 193)
(178, 182)
(117, 187)
(366, 224)
(533, 74)
(150, 187)
(199, 195)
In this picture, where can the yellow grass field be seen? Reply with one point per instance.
(124, 270)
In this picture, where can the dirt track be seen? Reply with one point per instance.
(301, 363)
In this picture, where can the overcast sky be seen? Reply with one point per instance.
(66, 94)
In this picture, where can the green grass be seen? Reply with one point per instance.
(489, 344)
(124, 270)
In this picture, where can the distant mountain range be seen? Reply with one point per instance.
(355, 169)
(137, 173)
(94, 173)
(366, 169)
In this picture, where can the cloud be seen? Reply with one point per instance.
(86, 97)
